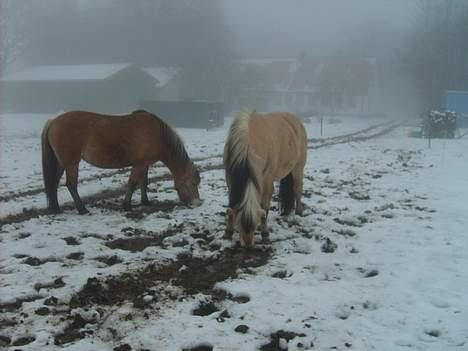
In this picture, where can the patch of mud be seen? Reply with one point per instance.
(202, 347)
(351, 222)
(34, 261)
(76, 256)
(139, 243)
(25, 340)
(205, 308)
(368, 273)
(195, 275)
(275, 343)
(51, 301)
(4, 340)
(359, 196)
(25, 215)
(281, 274)
(72, 332)
(13, 306)
(42, 311)
(109, 260)
(138, 211)
(239, 298)
(70, 240)
(328, 246)
(242, 328)
(345, 232)
(56, 284)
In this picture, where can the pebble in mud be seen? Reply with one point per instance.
(205, 308)
(433, 332)
(42, 311)
(75, 256)
(4, 340)
(69, 240)
(368, 273)
(51, 301)
(203, 347)
(23, 341)
(329, 246)
(124, 347)
(242, 328)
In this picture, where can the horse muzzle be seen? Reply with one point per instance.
(247, 241)
(195, 203)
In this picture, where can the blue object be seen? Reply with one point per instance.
(457, 101)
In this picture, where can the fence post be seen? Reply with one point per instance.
(321, 126)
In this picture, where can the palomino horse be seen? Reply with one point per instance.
(137, 140)
(261, 149)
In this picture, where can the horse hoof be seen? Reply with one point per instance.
(83, 211)
(266, 239)
(55, 210)
(228, 235)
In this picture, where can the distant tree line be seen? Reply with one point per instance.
(190, 35)
(437, 58)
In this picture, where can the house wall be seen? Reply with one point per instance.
(120, 93)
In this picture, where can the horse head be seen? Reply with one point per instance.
(187, 186)
(246, 222)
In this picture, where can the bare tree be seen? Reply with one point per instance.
(438, 52)
(12, 41)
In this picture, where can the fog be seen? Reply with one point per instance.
(285, 28)
(369, 57)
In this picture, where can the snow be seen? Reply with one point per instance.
(397, 279)
(65, 72)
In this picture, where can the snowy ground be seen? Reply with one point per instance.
(378, 262)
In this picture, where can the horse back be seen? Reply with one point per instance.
(279, 141)
(277, 130)
(105, 141)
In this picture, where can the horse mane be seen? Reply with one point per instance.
(240, 170)
(170, 137)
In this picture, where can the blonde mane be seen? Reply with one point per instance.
(244, 189)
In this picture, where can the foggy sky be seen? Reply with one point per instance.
(280, 27)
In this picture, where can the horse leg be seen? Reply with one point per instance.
(144, 188)
(298, 177)
(135, 178)
(53, 198)
(72, 185)
(265, 203)
(229, 224)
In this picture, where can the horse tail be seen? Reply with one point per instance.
(244, 185)
(286, 194)
(50, 166)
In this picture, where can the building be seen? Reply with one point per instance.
(330, 85)
(106, 88)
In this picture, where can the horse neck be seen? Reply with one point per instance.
(177, 165)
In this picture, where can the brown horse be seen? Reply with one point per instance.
(137, 140)
(261, 149)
